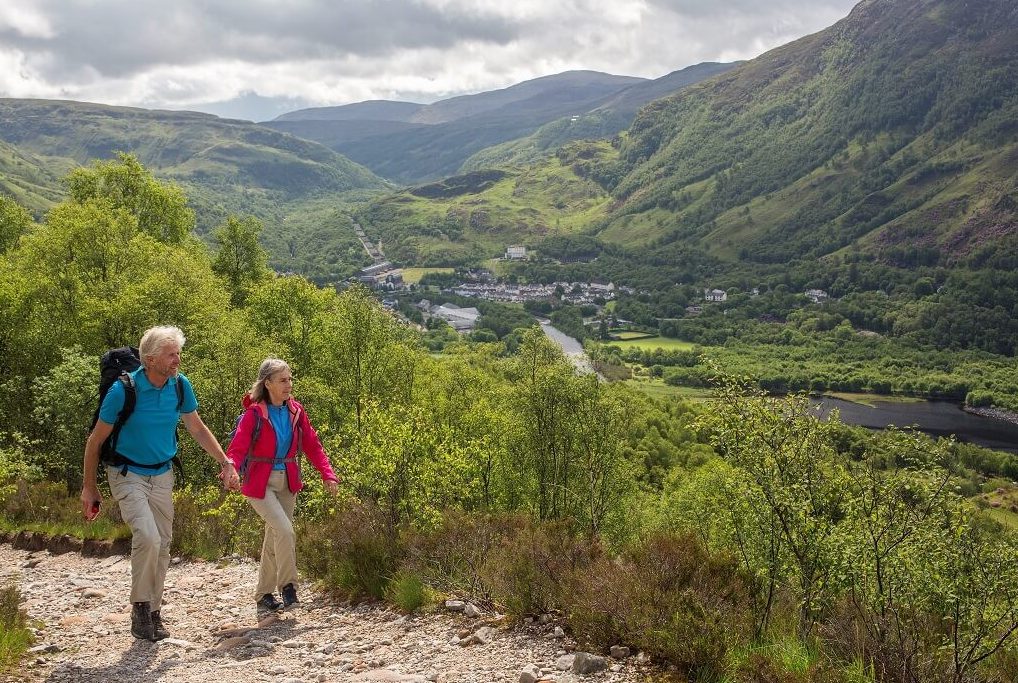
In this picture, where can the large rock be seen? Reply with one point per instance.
(585, 663)
(530, 674)
(619, 651)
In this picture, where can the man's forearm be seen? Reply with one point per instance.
(91, 463)
(203, 435)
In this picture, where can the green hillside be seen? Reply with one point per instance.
(184, 146)
(447, 132)
(468, 218)
(299, 189)
(893, 132)
(33, 182)
(603, 121)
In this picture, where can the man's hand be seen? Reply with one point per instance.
(91, 502)
(228, 475)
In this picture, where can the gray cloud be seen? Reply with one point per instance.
(184, 53)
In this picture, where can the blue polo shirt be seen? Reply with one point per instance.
(149, 435)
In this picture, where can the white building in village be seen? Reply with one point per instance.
(715, 295)
(459, 319)
(515, 252)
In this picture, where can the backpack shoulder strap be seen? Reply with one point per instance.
(180, 394)
(126, 379)
(130, 397)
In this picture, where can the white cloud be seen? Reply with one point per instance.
(185, 53)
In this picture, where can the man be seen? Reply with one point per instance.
(143, 485)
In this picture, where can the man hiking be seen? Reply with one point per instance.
(139, 470)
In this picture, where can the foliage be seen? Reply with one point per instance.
(161, 210)
(14, 222)
(240, 259)
(15, 638)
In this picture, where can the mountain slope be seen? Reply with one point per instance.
(465, 219)
(605, 119)
(32, 182)
(893, 131)
(369, 110)
(182, 145)
(437, 138)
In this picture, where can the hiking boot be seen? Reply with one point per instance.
(158, 630)
(141, 621)
(268, 604)
(290, 596)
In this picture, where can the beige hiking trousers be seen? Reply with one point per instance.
(146, 504)
(279, 549)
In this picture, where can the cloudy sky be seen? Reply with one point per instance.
(256, 59)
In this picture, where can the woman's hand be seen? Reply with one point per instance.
(229, 477)
(332, 486)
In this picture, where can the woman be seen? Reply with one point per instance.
(270, 435)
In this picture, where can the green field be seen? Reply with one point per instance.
(629, 336)
(657, 387)
(412, 276)
(651, 343)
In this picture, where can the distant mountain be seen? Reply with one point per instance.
(370, 110)
(895, 131)
(435, 140)
(569, 86)
(605, 119)
(296, 187)
(187, 146)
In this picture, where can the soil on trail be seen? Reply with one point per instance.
(79, 608)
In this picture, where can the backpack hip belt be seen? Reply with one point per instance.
(117, 460)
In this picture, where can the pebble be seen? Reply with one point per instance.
(215, 636)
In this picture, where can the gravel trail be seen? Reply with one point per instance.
(79, 607)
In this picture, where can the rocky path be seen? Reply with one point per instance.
(79, 609)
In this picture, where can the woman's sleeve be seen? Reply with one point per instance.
(313, 449)
(241, 442)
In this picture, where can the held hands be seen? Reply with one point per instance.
(229, 477)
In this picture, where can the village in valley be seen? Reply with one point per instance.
(480, 283)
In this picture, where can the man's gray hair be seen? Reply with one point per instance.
(268, 368)
(155, 338)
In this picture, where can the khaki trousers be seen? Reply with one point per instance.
(279, 548)
(146, 504)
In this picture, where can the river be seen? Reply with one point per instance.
(937, 418)
(572, 348)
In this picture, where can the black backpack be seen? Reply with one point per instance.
(117, 365)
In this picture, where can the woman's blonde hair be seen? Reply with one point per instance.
(267, 369)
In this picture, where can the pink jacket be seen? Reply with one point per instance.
(255, 475)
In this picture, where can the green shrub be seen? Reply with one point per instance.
(407, 591)
(14, 636)
(349, 550)
(667, 597)
(450, 556)
(211, 523)
(527, 571)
